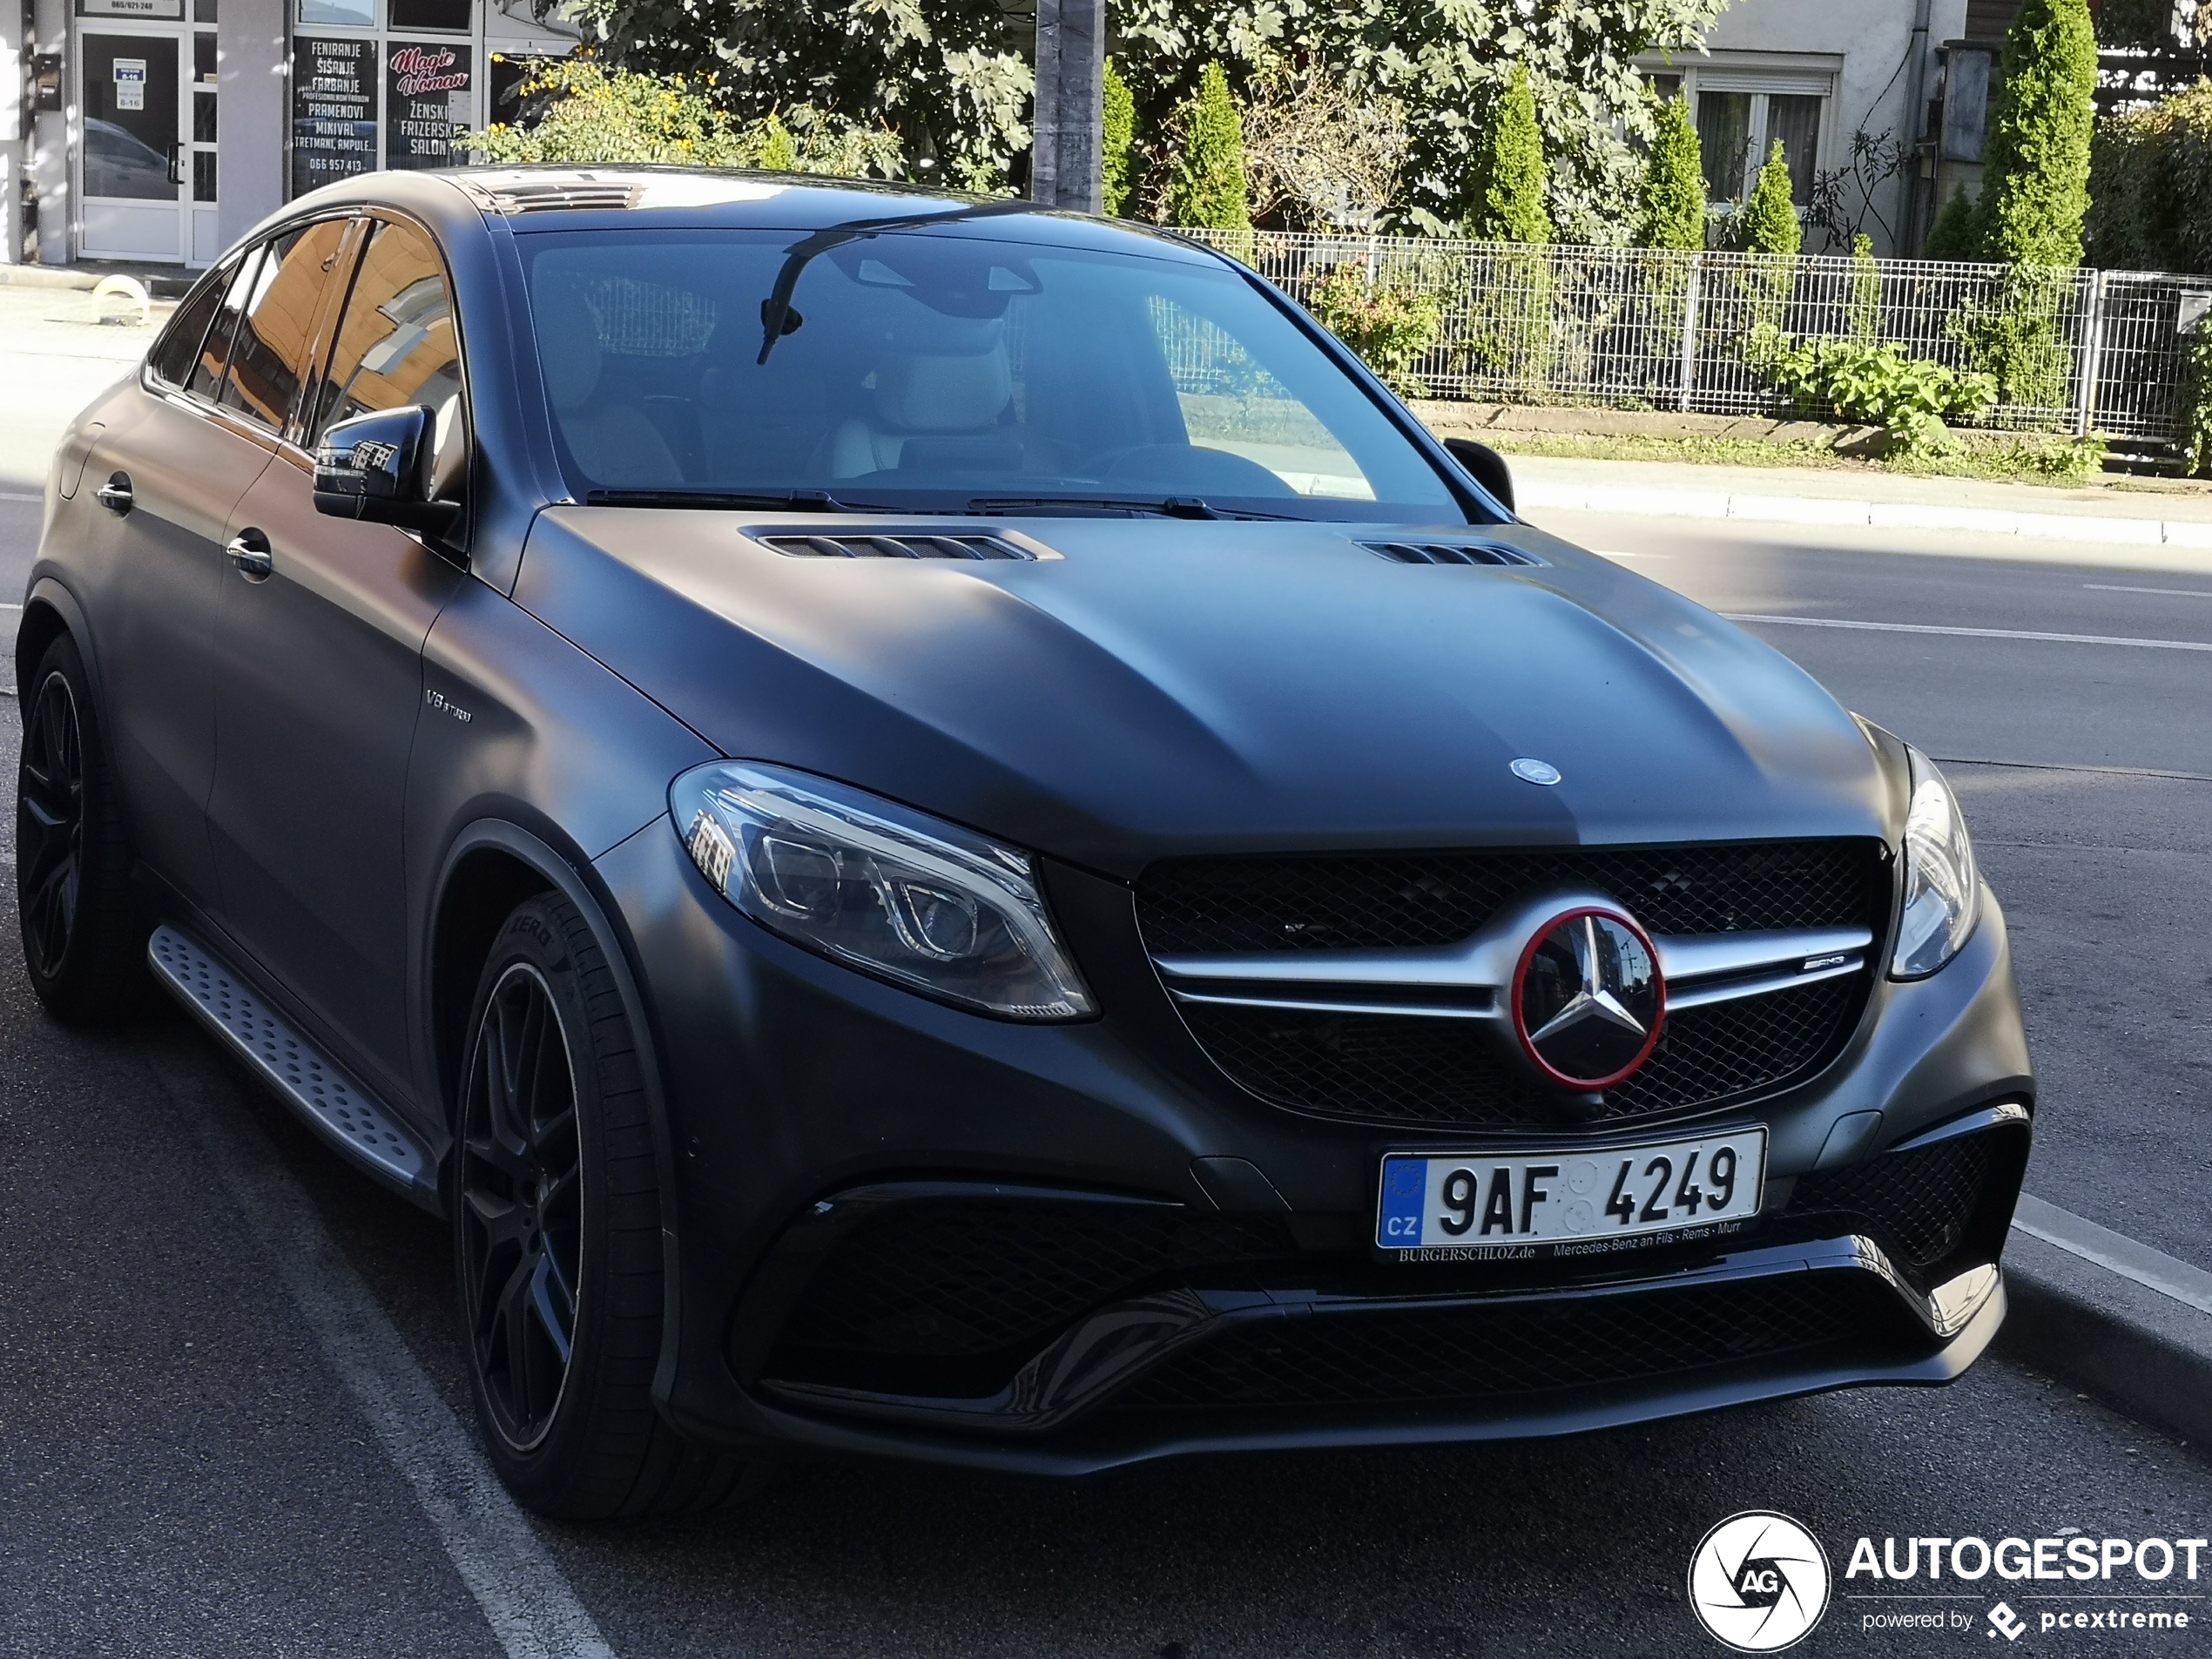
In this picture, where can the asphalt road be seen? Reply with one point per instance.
(233, 1415)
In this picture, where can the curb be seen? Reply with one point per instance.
(1632, 502)
(2116, 1319)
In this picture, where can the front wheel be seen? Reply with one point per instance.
(558, 1236)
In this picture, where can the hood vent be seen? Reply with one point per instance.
(1450, 553)
(846, 544)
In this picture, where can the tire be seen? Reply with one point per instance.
(84, 939)
(556, 1218)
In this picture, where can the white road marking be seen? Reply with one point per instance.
(2115, 1252)
(16, 494)
(2114, 587)
(507, 1567)
(1968, 633)
(1602, 554)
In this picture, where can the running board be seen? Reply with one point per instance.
(312, 1083)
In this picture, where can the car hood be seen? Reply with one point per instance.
(1167, 686)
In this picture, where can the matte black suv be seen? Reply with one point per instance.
(939, 829)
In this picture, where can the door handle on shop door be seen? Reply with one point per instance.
(115, 494)
(250, 556)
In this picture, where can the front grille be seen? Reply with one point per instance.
(1449, 1074)
(1203, 907)
(988, 1284)
(1917, 1205)
(1481, 1353)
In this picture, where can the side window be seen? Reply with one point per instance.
(173, 354)
(271, 355)
(396, 345)
(215, 349)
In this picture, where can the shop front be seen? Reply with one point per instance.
(163, 131)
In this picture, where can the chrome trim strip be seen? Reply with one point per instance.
(1695, 996)
(1323, 1005)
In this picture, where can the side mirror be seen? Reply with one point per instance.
(377, 467)
(1487, 467)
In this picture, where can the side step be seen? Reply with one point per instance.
(313, 1084)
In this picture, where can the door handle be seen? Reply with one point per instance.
(250, 556)
(177, 164)
(115, 494)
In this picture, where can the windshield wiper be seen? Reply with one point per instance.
(773, 501)
(1162, 506)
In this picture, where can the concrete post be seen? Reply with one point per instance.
(252, 86)
(49, 161)
(1071, 80)
(13, 68)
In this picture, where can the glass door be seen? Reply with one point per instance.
(133, 166)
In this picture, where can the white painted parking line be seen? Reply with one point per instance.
(18, 495)
(506, 1567)
(2179, 593)
(2115, 1252)
(1968, 633)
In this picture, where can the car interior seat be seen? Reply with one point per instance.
(614, 443)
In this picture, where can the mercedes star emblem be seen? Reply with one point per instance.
(1587, 1000)
(1534, 772)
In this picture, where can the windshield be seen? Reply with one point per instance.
(920, 370)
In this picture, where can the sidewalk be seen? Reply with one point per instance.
(2108, 513)
(55, 357)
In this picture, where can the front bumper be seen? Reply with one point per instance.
(810, 1108)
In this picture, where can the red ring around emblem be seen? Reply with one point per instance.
(1521, 974)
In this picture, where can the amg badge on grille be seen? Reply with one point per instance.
(1587, 999)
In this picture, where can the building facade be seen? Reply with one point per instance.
(159, 130)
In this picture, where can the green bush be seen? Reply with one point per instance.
(591, 113)
(1952, 237)
(1508, 171)
(1875, 383)
(1769, 224)
(1862, 307)
(1674, 182)
(1117, 138)
(2035, 178)
(1391, 325)
(1207, 188)
(2150, 187)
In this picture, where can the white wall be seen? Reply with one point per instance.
(249, 37)
(1875, 90)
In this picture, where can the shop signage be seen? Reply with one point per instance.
(334, 110)
(129, 7)
(130, 84)
(426, 95)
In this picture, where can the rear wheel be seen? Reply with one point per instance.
(84, 942)
(558, 1236)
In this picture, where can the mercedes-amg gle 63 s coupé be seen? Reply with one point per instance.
(939, 829)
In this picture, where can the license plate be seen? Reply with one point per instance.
(1568, 1201)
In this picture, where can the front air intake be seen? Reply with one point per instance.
(1450, 553)
(845, 545)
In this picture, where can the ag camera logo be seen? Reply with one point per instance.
(1759, 1582)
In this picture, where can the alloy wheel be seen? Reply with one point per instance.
(50, 824)
(521, 1193)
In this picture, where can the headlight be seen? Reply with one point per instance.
(1942, 891)
(879, 887)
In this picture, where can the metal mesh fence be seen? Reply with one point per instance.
(2075, 351)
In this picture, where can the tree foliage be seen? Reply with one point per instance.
(1391, 325)
(1769, 223)
(938, 74)
(2150, 180)
(1320, 155)
(2035, 178)
(1207, 187)
(1674, 182)
(1117, 140)
(1952, 237)
(586, 113)
(1508, 170)
(1445, 65)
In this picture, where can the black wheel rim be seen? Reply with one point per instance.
(521, 1205)
(49, 826)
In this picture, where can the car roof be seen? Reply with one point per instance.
(555, 196)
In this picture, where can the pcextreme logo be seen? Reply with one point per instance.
(1759, 1582)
